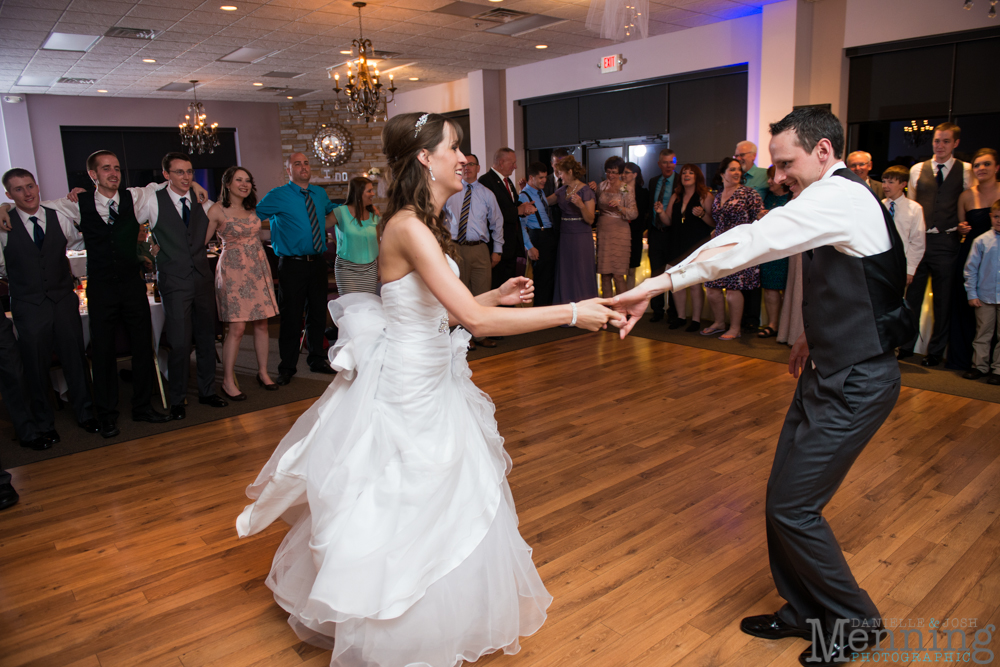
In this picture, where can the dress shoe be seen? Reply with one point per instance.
(91, 425)
(694, 326)
(931, 360)
(177, 412)
(214, 400)
(283, 379)
(8, 496)
(109, 427)
(265, 386)
(238, 397)
(656, 317)
(973, 374)
(52, 436)
(677, 324)
(150, 415)
(904, 354)
(770, 626)
(472, 346)
(486, 342)
(840, 655)
(38, 444)
(993, 379)
(323, 368)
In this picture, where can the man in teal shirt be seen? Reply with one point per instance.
(753, 176)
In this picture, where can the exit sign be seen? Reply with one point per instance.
(612, 63)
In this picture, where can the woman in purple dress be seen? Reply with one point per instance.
(576, 268)
(734, 205)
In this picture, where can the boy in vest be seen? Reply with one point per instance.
(983, 289)
(936, 185)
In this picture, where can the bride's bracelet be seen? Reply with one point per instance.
(573, 306)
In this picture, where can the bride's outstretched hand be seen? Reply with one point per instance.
(594, 314)
(631, 305)
(517, 291)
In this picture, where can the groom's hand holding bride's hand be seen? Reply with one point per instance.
(632, 305)
(594, 314)
(516, 291)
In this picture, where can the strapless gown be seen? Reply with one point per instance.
(403, 549)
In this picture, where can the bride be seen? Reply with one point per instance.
(403, 548)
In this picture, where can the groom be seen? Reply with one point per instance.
(854, 315)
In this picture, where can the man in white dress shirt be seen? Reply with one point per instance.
(854, 315)
(860, 162)
(936, 185)
(907, 214)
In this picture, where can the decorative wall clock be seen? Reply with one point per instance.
(332, 144)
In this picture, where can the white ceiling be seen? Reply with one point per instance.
(308, 36)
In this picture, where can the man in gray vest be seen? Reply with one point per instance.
(43, 304)
(936, 185)
(180, 225)
(854, 315)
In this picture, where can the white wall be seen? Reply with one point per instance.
(15, 137)
(442, 98)
(258, 130)
(876, 21)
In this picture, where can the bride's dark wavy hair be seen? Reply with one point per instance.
(409, 180)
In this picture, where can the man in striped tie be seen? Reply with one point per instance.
(477, 226)
(299, 215)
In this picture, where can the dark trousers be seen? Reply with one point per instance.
(189, 309)
(302, 289)
(938, 264)
(751, 309)
(827, 426)
(505, 269)
(53, 326)
(544, 268)
(12, 387)
(111, 305)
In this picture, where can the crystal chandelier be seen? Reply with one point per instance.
(990, 14)
(196, 136)
(365, 98)
(619, 20)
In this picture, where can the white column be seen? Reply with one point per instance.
(16, 149)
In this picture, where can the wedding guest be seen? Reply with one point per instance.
(44, 307)
(552, 184)
(661, 188)
(973, 221)
(357, 239)
(734, 205)
(244, 291)
(687, 217)
(575, 267)
(299, 214)
(983, 290)
(497, 180)
(860, 163)
(616, 207)
(539, 234)
(632, 175)
(907, 214)
(753, 176)
(773, 274)
(27, 427)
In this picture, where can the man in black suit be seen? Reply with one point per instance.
(660, 189)
(498, 181)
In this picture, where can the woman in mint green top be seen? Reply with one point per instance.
(356, 268)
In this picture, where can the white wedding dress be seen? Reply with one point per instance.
(403, 549)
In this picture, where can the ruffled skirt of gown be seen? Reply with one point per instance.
(403, 549)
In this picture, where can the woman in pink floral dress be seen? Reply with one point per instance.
(244, 291)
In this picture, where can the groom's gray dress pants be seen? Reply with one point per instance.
(828, 424)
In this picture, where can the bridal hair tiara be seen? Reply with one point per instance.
(420, 124)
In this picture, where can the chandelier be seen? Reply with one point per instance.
(365, 98)
(918, 135)
(993, 8)
(619, 20)
(196, 136)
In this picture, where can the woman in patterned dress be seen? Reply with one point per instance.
(615, 209)
(244, 291)
(734, 205)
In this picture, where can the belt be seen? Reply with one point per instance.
(304, 258)
(471, 243)
(541, 229)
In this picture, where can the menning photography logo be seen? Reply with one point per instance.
(903, 641)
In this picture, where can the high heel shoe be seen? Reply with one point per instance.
(238, 397)
(266, 387)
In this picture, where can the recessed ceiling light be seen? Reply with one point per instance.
(61, 41)
(496, 0)
(348, 53)
(289, 96)
(148, 60)
(258, 84)
(101, 90)
(414, 78)
(541, 46)
(228, 8)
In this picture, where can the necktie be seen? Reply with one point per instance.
(463, 220)
(112, 213)
(892, 209)
(185, 211)
(39, 232)
(940, 174)
(510, 189)
(317, 235)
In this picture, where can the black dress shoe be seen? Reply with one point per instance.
(656, 317)
(109, 427)
(265, 386)
(836, 655)
(52, 436)
(904, 354)
(993, 379)
(150, 415)
(973, 374)
(177, 412)
(39, 444)
(323, 368)
(931, 360)
(8, 496)
(770, 626)
(91, 426)
(214, 400)
(677, 324)
(283, 379)
(238, 397)
(694, 326)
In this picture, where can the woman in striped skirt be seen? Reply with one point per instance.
(357, 239)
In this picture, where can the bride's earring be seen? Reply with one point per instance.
(431, 169)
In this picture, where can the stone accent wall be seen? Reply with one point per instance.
(301, 119)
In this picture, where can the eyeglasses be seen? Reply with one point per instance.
(182, 172)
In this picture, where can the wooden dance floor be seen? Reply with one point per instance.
(639, 475)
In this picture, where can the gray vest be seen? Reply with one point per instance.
(940, 204)
(35, 274)
(182, 249)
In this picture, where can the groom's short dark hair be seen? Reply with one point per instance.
(810, 125)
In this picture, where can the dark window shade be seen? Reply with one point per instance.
(974, 94)
(900, 84)
(636, 112)
(595, 161)
(551, 124)
(708, 117)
